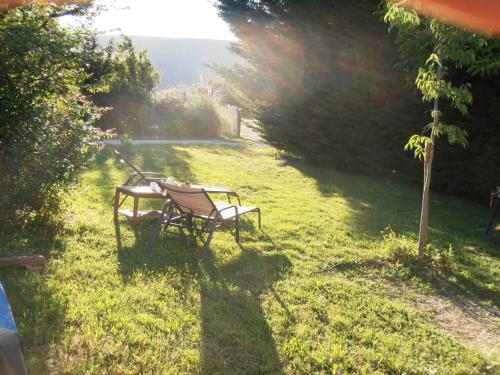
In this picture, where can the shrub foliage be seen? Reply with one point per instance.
(45, 115)
(189, 112)
(128, 80)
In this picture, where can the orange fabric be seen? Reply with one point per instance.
(476, 15)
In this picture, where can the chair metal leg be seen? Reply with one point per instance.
(260, 220)
(237, 229)
(157, 227)
(206, 246)
(117, 204)
(492, 216)
(191, 224)
(136, 208)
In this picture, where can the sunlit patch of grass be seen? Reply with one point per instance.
(312, 292)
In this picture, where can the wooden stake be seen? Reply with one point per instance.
(31, 262)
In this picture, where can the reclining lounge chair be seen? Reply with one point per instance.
(137, 186)
(138, 177)
(186, 204)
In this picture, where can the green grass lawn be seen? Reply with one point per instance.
(315, 291)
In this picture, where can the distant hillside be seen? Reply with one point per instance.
(181, 61)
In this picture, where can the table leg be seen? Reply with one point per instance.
(117, 203)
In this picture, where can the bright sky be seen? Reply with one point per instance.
(164, 18)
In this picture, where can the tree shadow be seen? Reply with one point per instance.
(105, 181)
(170, 251)
(172, 161)
(236, 338)
(462, 293)
(39, 310)
(377, 202)
(371, 199)
(169, 160)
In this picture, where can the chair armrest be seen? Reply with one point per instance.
(130, 178)
(155, 176)
(234, 194)
(227, 208)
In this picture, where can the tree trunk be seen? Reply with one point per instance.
(429, 156)
(424, 215)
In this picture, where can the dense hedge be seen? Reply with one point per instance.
(44, 114)
(324, 83)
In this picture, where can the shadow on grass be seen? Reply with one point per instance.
(38, 308)
(105, 181)
(376, 203)
(177, 252)
(169, 160)
(455, 287)
(236, 337)
(172, 161)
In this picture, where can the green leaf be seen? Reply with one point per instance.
(418, 144)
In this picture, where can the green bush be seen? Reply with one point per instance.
(442, 259)
(400, 249)
(45, 134)
(205, 117)
(403, 250)
(169, 112)
(129, 79)
(178, 114)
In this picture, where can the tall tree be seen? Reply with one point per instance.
(319, 76)
(434, 51)
(129, 79)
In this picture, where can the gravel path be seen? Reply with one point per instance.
(189, 142)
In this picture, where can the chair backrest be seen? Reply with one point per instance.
(119, 155)
(190, 200)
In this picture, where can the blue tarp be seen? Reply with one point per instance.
(6, 317)
(11, 355)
